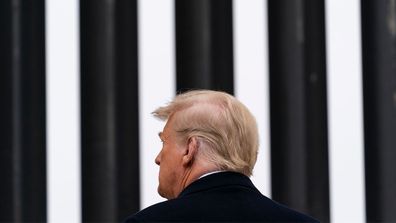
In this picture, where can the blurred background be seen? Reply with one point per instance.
(79, 80)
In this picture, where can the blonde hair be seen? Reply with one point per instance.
(225, 127)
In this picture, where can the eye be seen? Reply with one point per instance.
(160, 138)
(162, 141)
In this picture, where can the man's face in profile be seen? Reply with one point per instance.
(170, 161)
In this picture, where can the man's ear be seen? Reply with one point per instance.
(191, 150)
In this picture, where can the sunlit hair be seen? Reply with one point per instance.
(226, 130)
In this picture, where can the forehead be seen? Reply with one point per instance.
(169, 123)
(166, 130)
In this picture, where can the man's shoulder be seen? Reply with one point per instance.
(220, 197)
(162, 211)
(185, 209)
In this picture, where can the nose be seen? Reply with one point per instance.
(158, 159)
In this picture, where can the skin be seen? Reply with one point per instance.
(180, 164)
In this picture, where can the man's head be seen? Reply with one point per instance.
(205, 130)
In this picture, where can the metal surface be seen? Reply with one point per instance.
(22, 150)
(204, 49)
(110, 157)
(298, 106)
(379, 81)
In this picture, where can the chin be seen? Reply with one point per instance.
(163, 194)
(160, 192)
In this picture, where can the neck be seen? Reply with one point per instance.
(195, 171)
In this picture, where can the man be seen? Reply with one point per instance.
(210, 145)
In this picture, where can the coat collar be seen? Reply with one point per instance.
(217, 180)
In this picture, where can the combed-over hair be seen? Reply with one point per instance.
(225, 127)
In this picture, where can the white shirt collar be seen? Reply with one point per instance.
(210, 173)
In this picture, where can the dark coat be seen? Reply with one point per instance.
(224, 196)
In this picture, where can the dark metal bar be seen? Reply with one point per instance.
(379, 81)
(6, 113)
(23, 153)
(298, 106)
(204, 50)
(110, 156)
